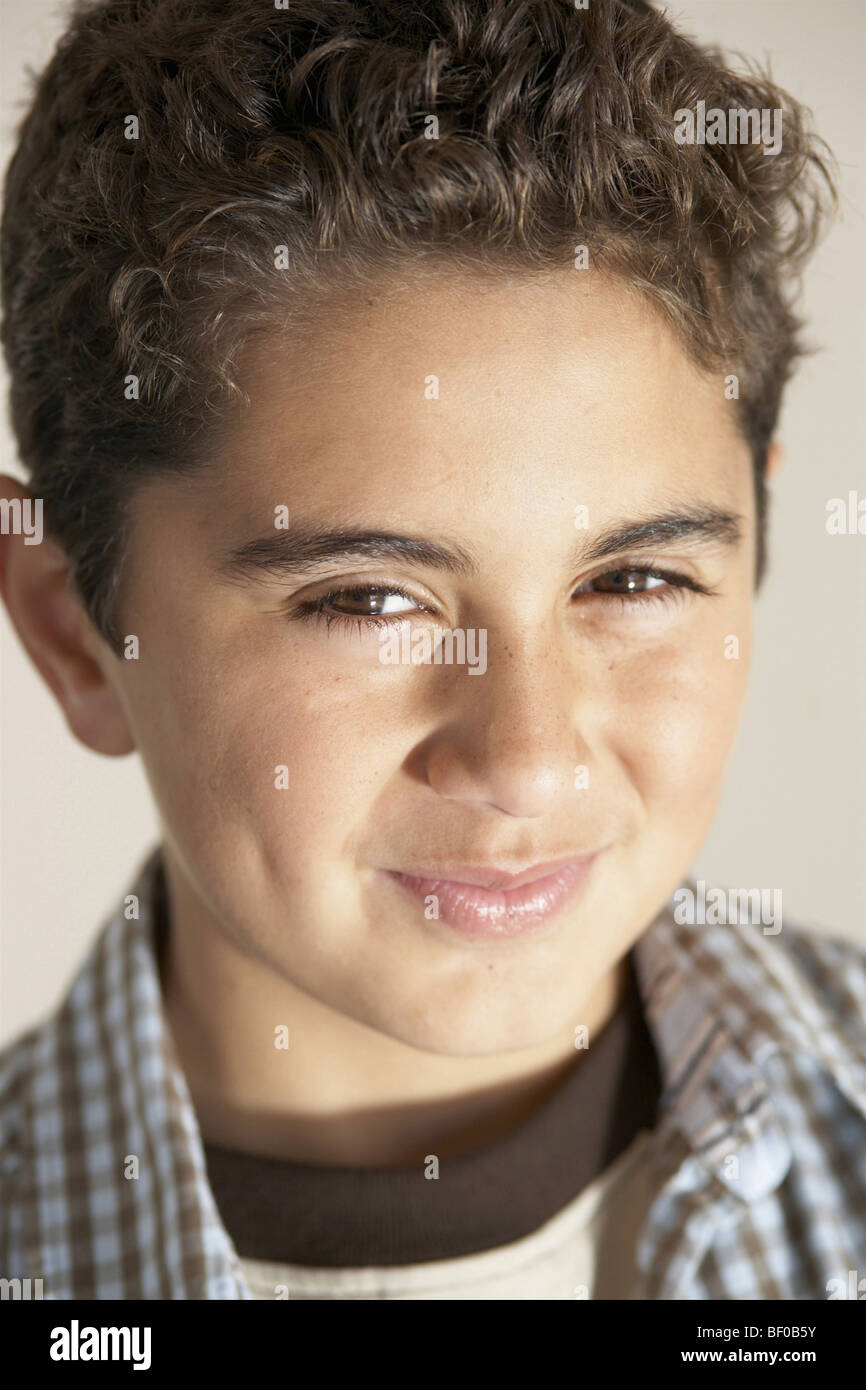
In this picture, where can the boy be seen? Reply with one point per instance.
(400, 383)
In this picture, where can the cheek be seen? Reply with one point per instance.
(680, 708)
(257, 749)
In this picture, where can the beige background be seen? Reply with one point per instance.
(74, 825)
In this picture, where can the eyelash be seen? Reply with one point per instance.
(317, 610)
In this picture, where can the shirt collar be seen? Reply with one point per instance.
(720, 1002)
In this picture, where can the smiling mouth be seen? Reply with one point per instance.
(488, 903)
(491, 876)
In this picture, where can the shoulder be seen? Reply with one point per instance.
(783, 982)
(824, 975)
(834, 968)
(20, 1093)
(18, 1068)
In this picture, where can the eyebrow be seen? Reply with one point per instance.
(286, 554)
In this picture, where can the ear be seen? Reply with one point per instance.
(774, 458)
(50, 619)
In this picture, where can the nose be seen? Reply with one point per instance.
(510, 738)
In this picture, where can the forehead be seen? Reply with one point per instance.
(487, 401)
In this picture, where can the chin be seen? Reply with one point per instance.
(464, 1036)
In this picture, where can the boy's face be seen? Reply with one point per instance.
(552, 396)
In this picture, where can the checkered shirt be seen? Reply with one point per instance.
(758, 1153)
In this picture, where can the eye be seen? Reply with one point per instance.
(626, 581)
(363, 605)
(635, 584)
(367, 602)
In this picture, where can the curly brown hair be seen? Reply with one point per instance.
(307, 128)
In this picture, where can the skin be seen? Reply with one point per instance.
(405, 1038)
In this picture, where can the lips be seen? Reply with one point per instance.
(488, 902)
(495, 879)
